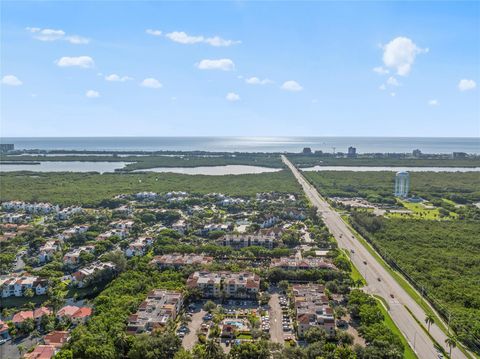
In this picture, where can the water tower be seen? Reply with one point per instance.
(402, 184)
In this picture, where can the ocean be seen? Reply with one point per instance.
(250, 144)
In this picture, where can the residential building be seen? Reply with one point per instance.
(95, 271)
(225, 284)
(294, 263)
(56, 338)
(269, 221)
(139, 247)
(72, 258)
(4, 331)
(155, 311)
(121, 233)
(146, 196)
(238, 241)
(417, 153)
(47, 251)
(17, 285)
(226, 227)
(180, 260)
(125, 224)
(312, 309)
(6, 147)
(68, 212)
(76, 314)
(37, 315)
(41, 352)
(352, 152)
(71, 232)
(180, 226)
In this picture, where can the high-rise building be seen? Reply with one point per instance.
(402, 184)
(6, 147)
(352, 152)
(417, 153)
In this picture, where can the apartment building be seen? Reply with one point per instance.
(91, 273)
(155, 311)
(238, 241)
(225, 284)
(47, 251)
(294, 263)
(139, 247)
(17, 285)
(176, 260)
(312, 309)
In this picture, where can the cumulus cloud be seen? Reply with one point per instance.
(116, 78)
(433, 102)
(153, 32)
(400, 53)
(79, 61)
(182, 37)
(466, 85)
(382, 87)
(291, 86)
(151, 83)
(393, 94)
(220, 64)
(257, 81)
(232, 96)
(55, 35)
(11, 80)
(92, 94)
(380, 70)
(392, 81)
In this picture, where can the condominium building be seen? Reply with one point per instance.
(155, 311)
(176, 260)
(312, 309)
(238, 241)
(225, 284)
(294, 263)
(17, 285)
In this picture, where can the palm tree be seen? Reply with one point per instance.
(450, 341)
(429, 319)
(213, 350)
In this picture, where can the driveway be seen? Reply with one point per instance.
(276, 316)
(9, 350)
(191, 338)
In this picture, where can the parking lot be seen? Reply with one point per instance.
(190, 337)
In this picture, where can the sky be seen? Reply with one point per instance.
(107, 68)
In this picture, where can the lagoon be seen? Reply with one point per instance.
(213, 170)
(64, 166)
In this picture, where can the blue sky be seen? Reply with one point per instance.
(240, 68)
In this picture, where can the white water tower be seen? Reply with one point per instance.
(402, 184)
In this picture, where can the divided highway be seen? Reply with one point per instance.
(379, 281)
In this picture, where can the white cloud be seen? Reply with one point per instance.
(80, 61)
(92, 94)
(433, 102)
(257, 81)
(153, 32)
(183, 38)
(151, 83)
(54, 35)
(400, 53)
(382, 87)
(466, 85)
(116, 78)
(392, 81)
(232, 96)
(11, 80)
(380, 70)
(291, 86)
(314, 100)
(77, 40)
(393, 94)
(220, 64)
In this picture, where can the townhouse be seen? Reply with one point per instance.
(225, 284)
(48, 250)
(268, 221)
(77, 315)
(17, 285)
(139, 247)
(74, 231)
(312, 309)
(37, 315)
(72, 258)
(155, 311)
(176, 260)
(95, 271)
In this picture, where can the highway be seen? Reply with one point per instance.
(379, 281)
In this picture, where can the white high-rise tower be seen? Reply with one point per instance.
(402, 184)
